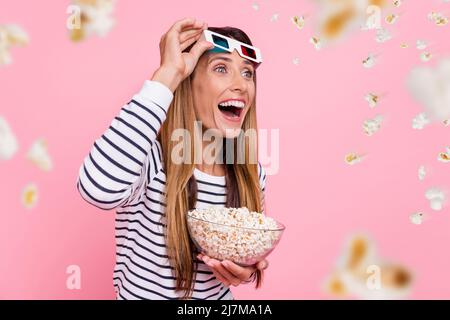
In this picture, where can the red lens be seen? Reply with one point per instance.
(248, 52)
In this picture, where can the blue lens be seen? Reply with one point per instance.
(217, 50)
(220, 41)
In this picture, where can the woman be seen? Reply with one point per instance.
(131, 168)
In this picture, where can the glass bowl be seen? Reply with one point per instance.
(244, 246)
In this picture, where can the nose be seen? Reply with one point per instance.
(238, 83)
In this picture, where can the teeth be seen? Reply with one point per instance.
(234, 103)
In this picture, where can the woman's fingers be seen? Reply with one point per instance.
(189, 34)
(220, 272)
(198, 49)
(230, 273)
(263, 264)
(220, 277)
(190, 41)
(242, 273)
(217, 274)
(235, 281)
(184, 24)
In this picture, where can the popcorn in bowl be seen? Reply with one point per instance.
(234, 234)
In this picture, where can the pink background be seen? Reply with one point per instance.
(68, 94)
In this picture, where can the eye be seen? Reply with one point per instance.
(221, 68)
(249, 73)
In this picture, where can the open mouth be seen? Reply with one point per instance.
(231, 111)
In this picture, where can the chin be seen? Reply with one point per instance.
(229, 130)
(230, 133)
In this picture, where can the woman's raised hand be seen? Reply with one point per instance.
(177, 65)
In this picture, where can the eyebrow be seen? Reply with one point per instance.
(216, 57)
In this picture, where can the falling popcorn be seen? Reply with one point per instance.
(361, 273)
(8, 141)
(391, 19)
(95, 18)
(29, 196)
(38, 154)
(438, 18)
(299, 21)
(10, 35)
(335, 19)
(446, 122)
(316, 42)
(444, 156)
(404, 45)
(426, 56)
(353, 158)
(372, 99)
(383, 35)
(422, 173)
(431, 88)
(421, 45)
(420, 121)
(371, 126)
(274, 17)
(416, 218)
(296, 61)
(397, 3)
(335, 287)
(255, 6)
(369, 62)
(436, 198)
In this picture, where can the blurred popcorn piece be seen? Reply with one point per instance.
(420, 121)
(372, 99)
(438, 18)
(444, 156)
(371, 126)
(354, 273)
(416, 218)
(383, 35)
(11, 35)
(369, 62)
(296, 61)
(316, 43)
(335, 286)
(421, 44)
(397, 3)
(446, 122)
(404, 45)
(29, 196)
(8, 141)
(255, 6)
(353, 158)
(274, 17)
(391, 18)
(39, 155)
(436, 197)
(299, 21)
(338, 18)
(96, 18)
(431, 88)
(425, 56)
(422, 173)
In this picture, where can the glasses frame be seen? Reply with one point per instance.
(233, 44)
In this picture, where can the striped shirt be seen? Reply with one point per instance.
(123, 171)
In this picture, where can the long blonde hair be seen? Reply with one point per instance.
(242, 180)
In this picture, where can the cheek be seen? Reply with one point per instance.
(204, 111)
(208, 103)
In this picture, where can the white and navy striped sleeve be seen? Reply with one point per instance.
(124, 157)
(262, 183)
